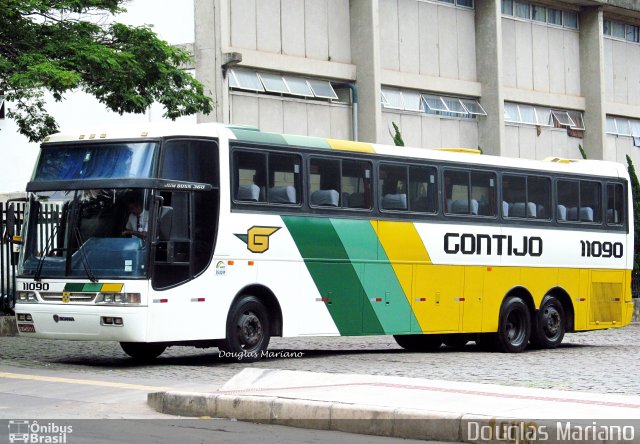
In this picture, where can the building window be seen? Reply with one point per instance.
(410, 100)
(272, 83)
(622, 31)
(623, 126)
(463, 3)
(539, 13)
(519, 113)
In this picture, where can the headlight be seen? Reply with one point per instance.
(118, 298)
(27, 297)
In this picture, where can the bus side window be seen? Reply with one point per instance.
(590, 201)
(324, 182)
(568, 194)
(615, 204)
(472, 193)
(356, 183)
(423, 189)
(284, 179)
(393, 187)
(250, 176)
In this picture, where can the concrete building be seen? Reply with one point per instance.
(516, 78)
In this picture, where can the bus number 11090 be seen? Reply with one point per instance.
(601, 249)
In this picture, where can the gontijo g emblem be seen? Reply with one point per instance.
(257, 238)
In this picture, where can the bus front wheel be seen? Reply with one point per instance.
(420, 343)
(141, 351)
(514, 327)
(549, 324)
(247, 330)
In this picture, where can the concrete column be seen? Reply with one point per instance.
(592, 81)
(365, 54)
(489, 66)
(208, 16)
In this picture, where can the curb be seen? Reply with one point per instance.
(8, 326)
(351, 418)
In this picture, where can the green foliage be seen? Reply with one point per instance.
(635, 192)
(397, 137)
(582, 151)
(65, 45)
(480, 149)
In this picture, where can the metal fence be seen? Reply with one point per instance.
(7, 258)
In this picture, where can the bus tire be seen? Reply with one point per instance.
(549, 324)
(514, 326)
(455, 340)
(143, 351)
(247, 330)
(419, 343)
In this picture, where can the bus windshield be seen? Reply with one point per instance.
(96, 161)
(93, 234)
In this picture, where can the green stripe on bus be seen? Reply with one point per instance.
(258, 136)
(336, 278)
(379, 280)
(73, 287)
(308, 142)
(92, 287)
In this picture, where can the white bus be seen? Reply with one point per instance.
(225, 236)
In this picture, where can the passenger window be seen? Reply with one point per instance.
(356, 184)
(526, 197)
(324, 183)
(471, 193)
(423, 189)
(568, 192)
(250, 171)
(417, 194)
(615, 204)
(590, 202)
(578, 201)
(284, 179)
(393, 187)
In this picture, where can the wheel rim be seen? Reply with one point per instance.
(249, 330)
(551, 322)
(515, 327)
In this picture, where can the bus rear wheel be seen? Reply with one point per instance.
(549, 324)
(247, 330)
(514, 326)
(142, 351)
(420, 343)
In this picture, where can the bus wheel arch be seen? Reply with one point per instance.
(561, 294)
(268, 298)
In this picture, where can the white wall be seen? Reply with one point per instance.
(622, 76)
(425, 131)
(172, 22)
(618, 147)
(316, 29)
(524, 141)
(541, 58)
(292, 116)
(428, 38)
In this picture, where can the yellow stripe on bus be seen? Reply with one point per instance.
(404, 247)
(347, 145)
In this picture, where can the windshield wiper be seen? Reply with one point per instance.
(36, 275)
(83, 257)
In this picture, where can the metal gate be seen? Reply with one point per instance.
(7, 258)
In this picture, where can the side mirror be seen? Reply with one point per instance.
(165, 223)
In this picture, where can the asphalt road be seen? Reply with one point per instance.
(599, 361)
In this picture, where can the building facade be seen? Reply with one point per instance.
(515, 78)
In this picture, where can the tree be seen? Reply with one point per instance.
(65, 45)
(635, 193)
(397, 136)
(583, 153)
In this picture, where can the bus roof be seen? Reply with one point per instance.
(251, 134)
